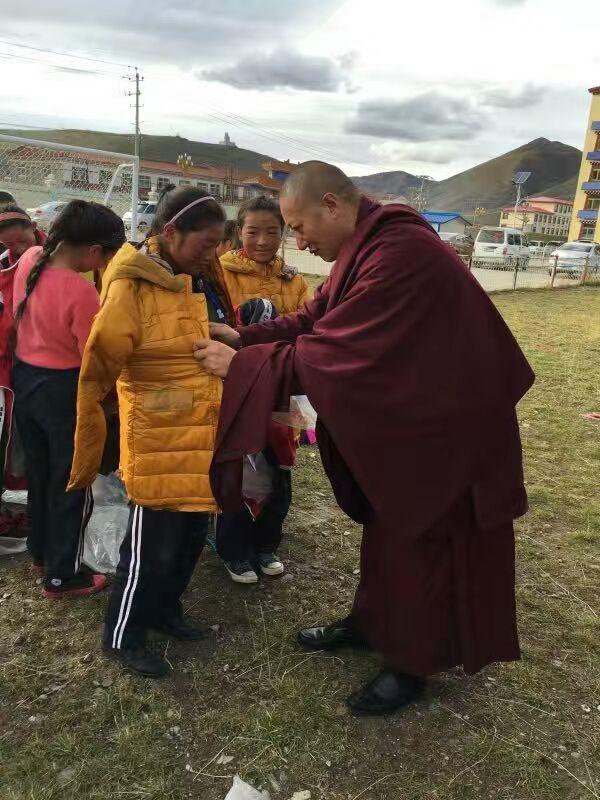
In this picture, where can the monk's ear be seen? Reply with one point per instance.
(331, 202)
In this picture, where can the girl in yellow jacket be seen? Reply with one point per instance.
(157, 300)
(248, 541)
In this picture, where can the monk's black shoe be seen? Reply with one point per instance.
(386, 693)
(332, 637)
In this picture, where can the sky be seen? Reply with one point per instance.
(430, 88)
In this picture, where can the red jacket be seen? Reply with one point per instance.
(8, 268)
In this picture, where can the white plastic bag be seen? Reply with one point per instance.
(301, 414)
(243, 791)
(258, 478)
(108, 524)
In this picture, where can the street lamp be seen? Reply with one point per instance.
(185, 162)
(519, 179)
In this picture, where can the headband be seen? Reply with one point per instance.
(6, 216)
(186, 208)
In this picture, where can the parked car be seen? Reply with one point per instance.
(146, 213)
(45, 214)
(571, 258)
(460, 242)
(507, 247)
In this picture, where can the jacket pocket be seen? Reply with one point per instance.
(168, 400)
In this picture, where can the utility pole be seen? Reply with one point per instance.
(136, 151)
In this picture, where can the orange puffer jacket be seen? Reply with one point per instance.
(245, 279)
(142, 339)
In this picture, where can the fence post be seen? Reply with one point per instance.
(516, 273)
(586, 264)
(554, 268)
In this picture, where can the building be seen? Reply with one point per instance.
(446, 221)
(548, 216)
(227, 141)
(82, 172)
(278, 170)
(584, 222)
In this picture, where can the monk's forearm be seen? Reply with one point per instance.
(282, 329)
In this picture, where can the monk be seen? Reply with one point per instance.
(415, 377)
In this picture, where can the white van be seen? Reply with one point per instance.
(501, 247)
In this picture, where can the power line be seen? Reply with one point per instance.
(284, 138)
(67, 55)
(61, 67)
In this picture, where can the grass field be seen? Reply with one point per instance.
(247, 701)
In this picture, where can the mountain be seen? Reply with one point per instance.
(154, 148)
(554, 167)
(394, 183)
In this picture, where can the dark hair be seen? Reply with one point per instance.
(11, 223)
(260, 203)
(79, 223)
(230, 233)
(6, 197)
(173, 199)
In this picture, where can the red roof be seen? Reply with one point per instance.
(279, 166)
(264, 181)
(544, 199)
(197, 171)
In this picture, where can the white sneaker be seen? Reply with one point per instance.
(241, 571)
(270, 564)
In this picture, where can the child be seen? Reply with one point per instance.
(246, 542)
(54, 308)
(17, 234)
(157, 301)
(229, 240)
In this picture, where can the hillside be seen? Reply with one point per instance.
(554, 167)
(155, 148)
(394, 183)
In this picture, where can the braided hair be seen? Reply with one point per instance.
(80, 223)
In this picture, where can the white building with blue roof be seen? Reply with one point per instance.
(446, 221)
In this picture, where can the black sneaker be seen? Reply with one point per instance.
(178, 628)
(241, 571)
(270, 564)
(139, 660)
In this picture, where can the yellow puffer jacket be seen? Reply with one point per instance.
(142, 339)
(245, 279)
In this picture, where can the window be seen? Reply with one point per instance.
(203, 186)
(185, 183)
(592, 203)
(215, 189)
(595, 174)
(104, 178)
(161, 183)
(505, 215)
(145, 182)
(79, 175)
(511, 238)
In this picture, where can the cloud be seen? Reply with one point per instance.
(176, 32)
(284, 68)
(509, 2)
(499, 97)
(399, 152)
(424, 118)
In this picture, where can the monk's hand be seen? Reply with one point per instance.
(215, 357)
(223, 333)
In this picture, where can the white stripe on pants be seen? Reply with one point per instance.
(132, 577)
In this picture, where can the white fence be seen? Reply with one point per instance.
(494, 274)
(48, 174)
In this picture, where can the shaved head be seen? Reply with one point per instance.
(320, 204)
(311, 181)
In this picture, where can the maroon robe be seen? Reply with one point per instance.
(415, 378)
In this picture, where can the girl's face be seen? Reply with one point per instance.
(18, 239)
(192, 252)
(261, 236)
(94, 258)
